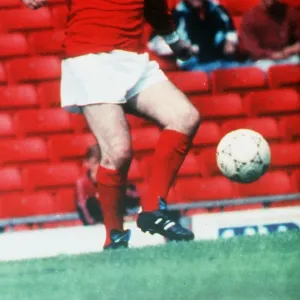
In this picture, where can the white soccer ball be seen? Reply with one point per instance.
(243, 155)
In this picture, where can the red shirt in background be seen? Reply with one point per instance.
(262, 34)
(104, 25)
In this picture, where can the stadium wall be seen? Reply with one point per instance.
(79, 240)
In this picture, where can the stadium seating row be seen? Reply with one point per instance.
(185, 190)
(69, 147)
(36, 69)
(58, 129)
(21, 19)
(64, 174)
(209, 132)
(37, 43)
(266, 102)
(259, 107)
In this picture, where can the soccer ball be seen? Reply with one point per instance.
(243, 155)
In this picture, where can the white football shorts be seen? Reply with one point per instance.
(112, 77)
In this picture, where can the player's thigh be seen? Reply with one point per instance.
(109, 125)
(167, 105)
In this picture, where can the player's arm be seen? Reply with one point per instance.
(159, 16)
(81, 200)
(34, 4)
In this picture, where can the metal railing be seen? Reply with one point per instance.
(184, 206)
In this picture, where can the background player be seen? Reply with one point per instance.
(105, 74)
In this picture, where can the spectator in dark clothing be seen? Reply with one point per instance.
(209, 29)
(87, 202)
(270, 34)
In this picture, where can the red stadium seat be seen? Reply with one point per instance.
(190, 82)
(51, 175)
(47, 42)
(34, 68)
(136, 122)
(207, 158)
(239, 79)
(11, 180)
(64, 201)
(21, 19)
(70, 146)
(33, 204)
(295, 179)
(290, 127)
(174, 197)
(18, 96)
(79, 123)
(60, 13)
(207, 134)
(145, 139)
(43, 121)
(134, 173)
(36, 204)
(267, 127)
(190, 167)
(285, 155)
(3, 77)
(284, 75)
(6, 126)
(49, 93)
(272, 102)
(272, 183)
(25, 150)
(9, 3)
(218, 106)
(13, 44)
(237, 7)
(212, 188)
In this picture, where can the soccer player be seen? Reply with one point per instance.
(105, 74)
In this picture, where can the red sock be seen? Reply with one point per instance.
(111, 186)
(169, 155)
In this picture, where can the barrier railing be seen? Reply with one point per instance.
(184, 206)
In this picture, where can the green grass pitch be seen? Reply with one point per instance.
(258, 268)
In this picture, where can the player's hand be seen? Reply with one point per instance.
(183, 50)
(279, 55)
(292, 50)
(34, 4)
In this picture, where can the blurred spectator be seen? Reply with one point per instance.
(87, 202)
(209, 29)
(270, 34)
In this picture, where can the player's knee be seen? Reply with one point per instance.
(190, 120)
(120, 156)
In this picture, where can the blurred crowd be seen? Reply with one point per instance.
(269, 34)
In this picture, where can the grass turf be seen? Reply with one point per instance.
(259, 267)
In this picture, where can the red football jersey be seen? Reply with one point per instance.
(104, 25)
